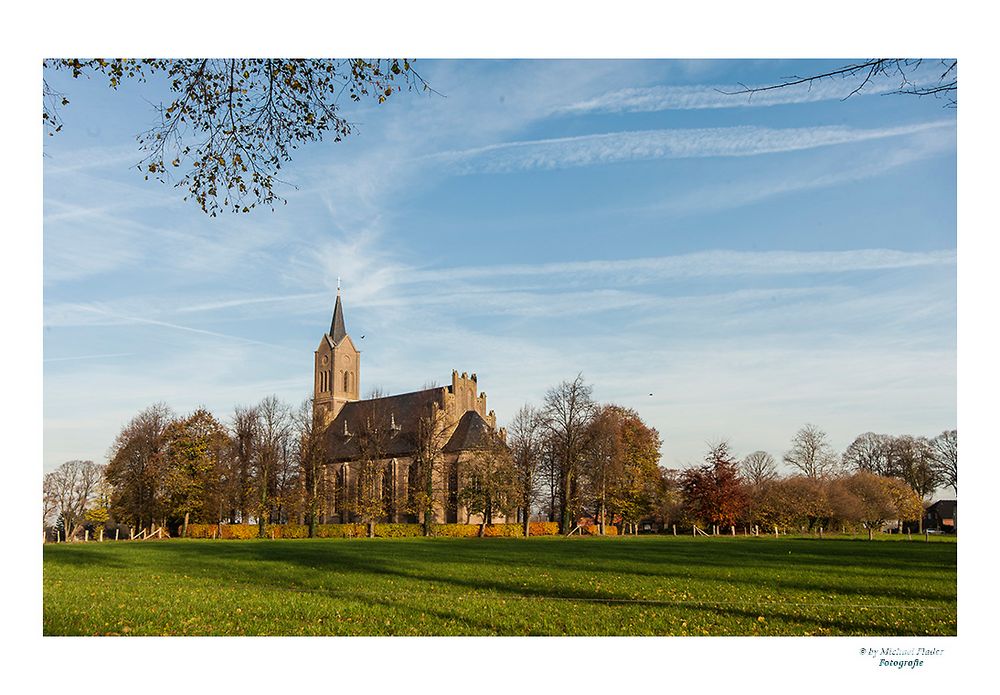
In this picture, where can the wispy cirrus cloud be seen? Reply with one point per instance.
(759, 188)
(726, 96)
(624, 146)
(700, 264)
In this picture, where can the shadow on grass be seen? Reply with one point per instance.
(866, 573)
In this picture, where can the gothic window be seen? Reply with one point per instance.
(347, 381)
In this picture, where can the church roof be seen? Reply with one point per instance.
(472, 431)
(337, 329)
(399, 417)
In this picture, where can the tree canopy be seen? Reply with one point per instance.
(230, 124)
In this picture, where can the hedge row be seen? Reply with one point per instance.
(244, 531)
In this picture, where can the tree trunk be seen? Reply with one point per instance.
(429, 490)
(184, 531)
(565, 514)
(371, 528)
(526, 520)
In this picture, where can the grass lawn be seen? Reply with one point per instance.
(650, 585)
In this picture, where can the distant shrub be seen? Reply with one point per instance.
(543, 528)
(248, 531)
(398, 530)
(595, 530)
(239, 531)
(456, 530)
(202, 530)
(341, 531)
(288, 531)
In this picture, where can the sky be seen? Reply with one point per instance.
(729, 267)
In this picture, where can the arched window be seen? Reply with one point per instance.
(347, 381)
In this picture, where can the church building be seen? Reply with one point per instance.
(391, 432)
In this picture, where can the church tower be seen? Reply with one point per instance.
(337, 370)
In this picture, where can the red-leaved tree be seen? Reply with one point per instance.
(714, 493)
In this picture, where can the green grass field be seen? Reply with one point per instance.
(499, 586)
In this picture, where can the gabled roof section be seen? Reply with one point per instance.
(472, 432)
(400, 413)
(337, 329)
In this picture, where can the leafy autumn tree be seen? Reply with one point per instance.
(137, 467)
(309, 454)
(811, 453)
(195, 451)
(374, 433)
(428, 439)
(488, 485)
(230, 124)
(714, 493)
(635, 464)
(881, 499)
(604, 463)
(69, 491)
(526, 438)
(668, 502)
(806, 502)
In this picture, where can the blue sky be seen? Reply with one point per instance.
(753, 265)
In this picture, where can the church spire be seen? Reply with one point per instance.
(337, 330)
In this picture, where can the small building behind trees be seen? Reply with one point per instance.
(941, 516)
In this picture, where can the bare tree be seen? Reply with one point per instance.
(758, 467)
(69, 490)
(273, 460)
(309, 454)
(912, 462)
(943, 83)
(244, 432)
(811, 453)
(870, 452)
(526, 438)
(568, 411)
(944, 454)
